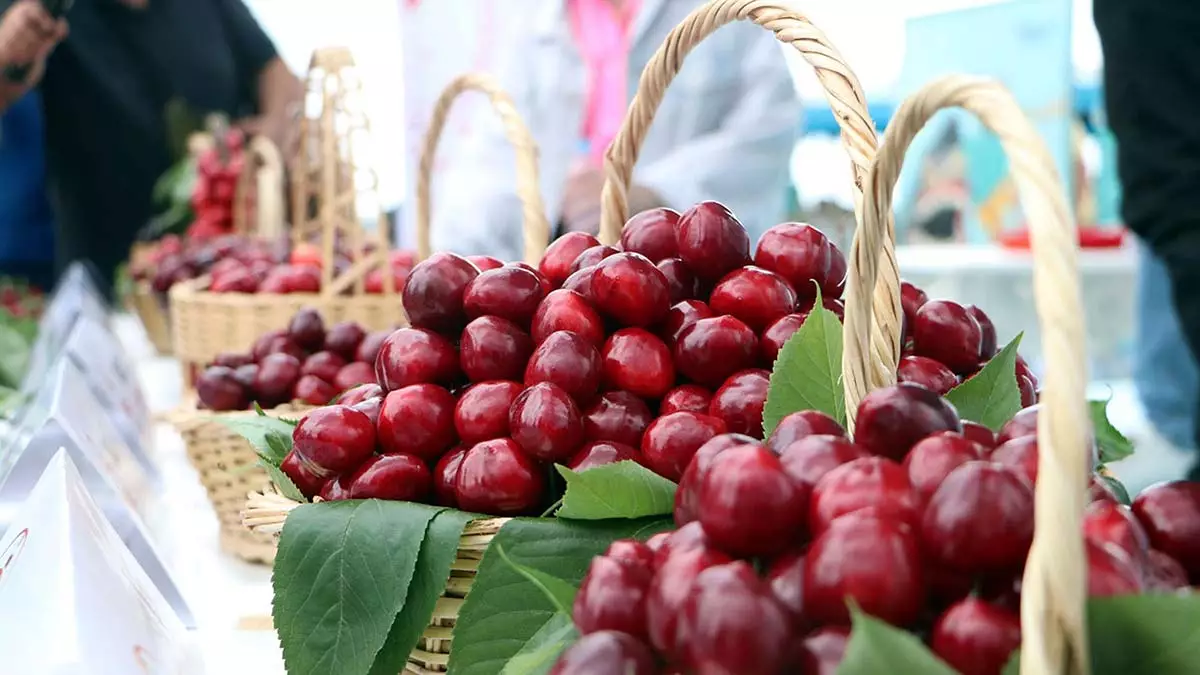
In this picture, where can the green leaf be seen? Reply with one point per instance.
(808, 373)
(1112, 443)
(1145, 635)
(270, 437)
(341, 577)
(14, 355)
(876, 647)
(560, 593)
(621, 490)
(1013, 667)
(505, 611)
(538, 655)
(991, 397)
(282, 482)
(428, 583)
(1116, 487)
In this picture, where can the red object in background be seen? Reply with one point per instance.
(1089, 237)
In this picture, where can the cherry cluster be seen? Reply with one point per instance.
(217, 172)
(922, 520)
(21, 300)
(304, 363)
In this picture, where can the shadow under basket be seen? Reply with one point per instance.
(151, 309)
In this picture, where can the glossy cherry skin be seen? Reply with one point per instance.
(568, 360)
(1170, 512)
(307, 329)
(233, 361)
(1021, 455)
(980, 520)
(398, 477)
(581, 281)
(687, 496)
(757, 296)
(368, 349)
(680, 316)
(987, 331)
(870, 482)
(671, 440)
(591, 257)
(672, 585)
(982, 435)
(731, 623)
(892, 419)
(277, 375)
(492, 348)
(445, 477)
(511, 293)
(612, 596)
(599, 453)
(1024, 423)
(945, 331)
(777, 334)
(324, 365)
(370, 407)
(360, 393)
(871, 560)
(617, 416)
(418, 419)
(481, 413)
(711, 240)
(681, 283)
(1110, 571)
(546, 423)
(354, 374)
(336, 489)
(309, 482)
(976, 637)
(556, 263)
(637, 361)
(926, 372)
(313, 390)
(433, 294)
(606, 653)
(821, 653)
(261, 347)
(631, 290)
(808, 460)
(710, 350)
(1108, 522)
(496, 478)
(912, 299)
(344, 339)
(415, 356)
(631, 552)
(333, 439)
(652, 234)
(741, 485)
(802, 255)
(218, 389)
(281, 344)
(802, 424)
(686, 398)
(932, 459)
(739, 402)
(1164, 573)
(245, 375)
(483, 262)
(567, 310)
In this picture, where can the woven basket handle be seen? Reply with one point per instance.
(262, 178)
(1054, 640)
(536, 229)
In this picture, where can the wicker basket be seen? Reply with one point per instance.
(151, 310)
(268, 511)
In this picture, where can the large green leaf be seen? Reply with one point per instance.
(538, 655)
(876, 647)
(342, 576)
(14, 355)
(506, 613)
(808, 373)
(270, 437)
(991, 397)
(621, 490)
(1112, 443)
(1145, 635)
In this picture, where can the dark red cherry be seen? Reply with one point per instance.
(433, 294)
(945, 331)
(870, 482)
(600, 453)
(776, 335)
(711, 240)
(417, 419)
(546, 423)
(569, 361)
(415, 356)
(494, 349)
(739, 402)
(511, 293)
(591, 257)
(631, 290)
(481, 413)
(606, 653)
(802, 424)
(397, 477)
(685, 397)
(681, 315)
(671, 440)
(681, 283)
(801, 254)
(496, 478)
(617, 416)
(652, 234)
(445, 477)
(710, 350)
(933, 458)
(556, 263)
(637, 361)
(567, 310)
(980, 520)
(926, 372)
(757, 296)
(892, 419)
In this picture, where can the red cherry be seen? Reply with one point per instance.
(976, 637)
(546, 285)
(834, 284)
(1024, 423)
(400, 477)
(235, 361)
(671, 588)
(863, 484)
(496, 478)
(912, 299)
(600, 453)
(567, 310)
(510, 293)
(307, 329)
(980, 434)
(613, 597)
(805, 306)
(874, 561)
(568, 360)
(680, 316)
(632, 552)
(218, 388)
(445, 477)
(652, 234)
(617, 416)
(417, 419)
(785, 578)
(336, 489)
(926, 372)
(1170, 513)
(273, 343)
(308, 481)
(802, 255)
(731, 623)
(483, 262)
(415, 356)
(932, 459)
(370, 407)
(1107, 522)
(433, 294)
(333, 439)
(1110, 571)
(987, 332)
(581, 282)
(313, 390)
(671, 440)
(945, 331)
(344, 339)
(368, 349)
(1164, 573)
(892, 419)
(324, 365)
(277, 375)
(776, 335)
(980, 520)
(710, 350)
(802, 424)
(606, 653)
(740, 485)
(630, 289)
(546, 423)
(685, 398)
(681, 283)
(809, 459)
(638, 362)
(687, 496)
(1021, 455)
(556, 263)
(591, 257)
(739, 402)
(494, 349)
(353, 375)
(481, 413)
(822, 651)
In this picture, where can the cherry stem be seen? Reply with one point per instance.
(553, 507)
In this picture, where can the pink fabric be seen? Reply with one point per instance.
(602, 32)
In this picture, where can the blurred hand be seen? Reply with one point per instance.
(281, 129)
(581, 200)
(27, 36)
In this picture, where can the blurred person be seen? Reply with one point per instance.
(1151, 80)
(724, 131)
(26, 221)
(105, 85)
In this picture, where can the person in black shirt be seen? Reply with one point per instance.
(106, 84)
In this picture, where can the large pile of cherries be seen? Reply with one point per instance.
(922, 520)
(305, 363)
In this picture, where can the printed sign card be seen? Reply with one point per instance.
(107, 369)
